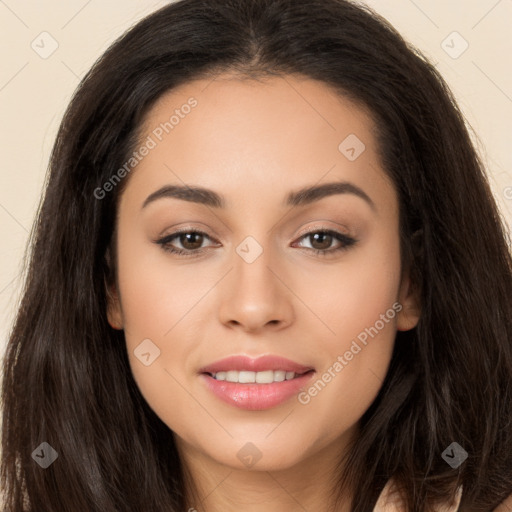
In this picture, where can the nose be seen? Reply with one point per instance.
(256, 295)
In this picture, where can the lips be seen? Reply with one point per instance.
(263, 363)
(256, 396)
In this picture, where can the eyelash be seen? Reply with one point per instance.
(347, 242)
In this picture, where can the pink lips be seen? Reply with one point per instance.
(256, 397)
(240, 363)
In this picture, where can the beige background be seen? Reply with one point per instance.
(34, 91)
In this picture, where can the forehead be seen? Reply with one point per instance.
(244, 136)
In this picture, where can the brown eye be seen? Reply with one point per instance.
(184, 243)
(191, 241)
(321, 240)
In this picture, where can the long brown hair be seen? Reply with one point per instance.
(67, 379)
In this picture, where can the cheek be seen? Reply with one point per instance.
(350, 296)
(156, 294)
(358, 304)
(155, 314)
(159, 304)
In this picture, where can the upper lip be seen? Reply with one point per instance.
(244, 363)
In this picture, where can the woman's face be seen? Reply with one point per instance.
(283, 266)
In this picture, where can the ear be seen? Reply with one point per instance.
(114, 312)
(409, 315)
(409, 293)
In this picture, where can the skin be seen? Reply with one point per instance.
(254, 142)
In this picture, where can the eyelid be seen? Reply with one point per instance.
(175, 234)
(345, 231)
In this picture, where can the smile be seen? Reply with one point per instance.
(256, 396)
(248, 377)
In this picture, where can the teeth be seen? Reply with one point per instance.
(246, 377)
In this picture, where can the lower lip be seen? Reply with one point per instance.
(256, 397)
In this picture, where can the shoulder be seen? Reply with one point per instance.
(389, 501)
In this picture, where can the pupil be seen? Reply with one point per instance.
(327, 235)
(187, 237)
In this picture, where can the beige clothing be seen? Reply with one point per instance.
(389, 503)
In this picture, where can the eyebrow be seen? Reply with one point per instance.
(301, 197)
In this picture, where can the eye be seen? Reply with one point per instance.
(321, 241)
(191, 242)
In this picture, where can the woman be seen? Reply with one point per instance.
(187, 339)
